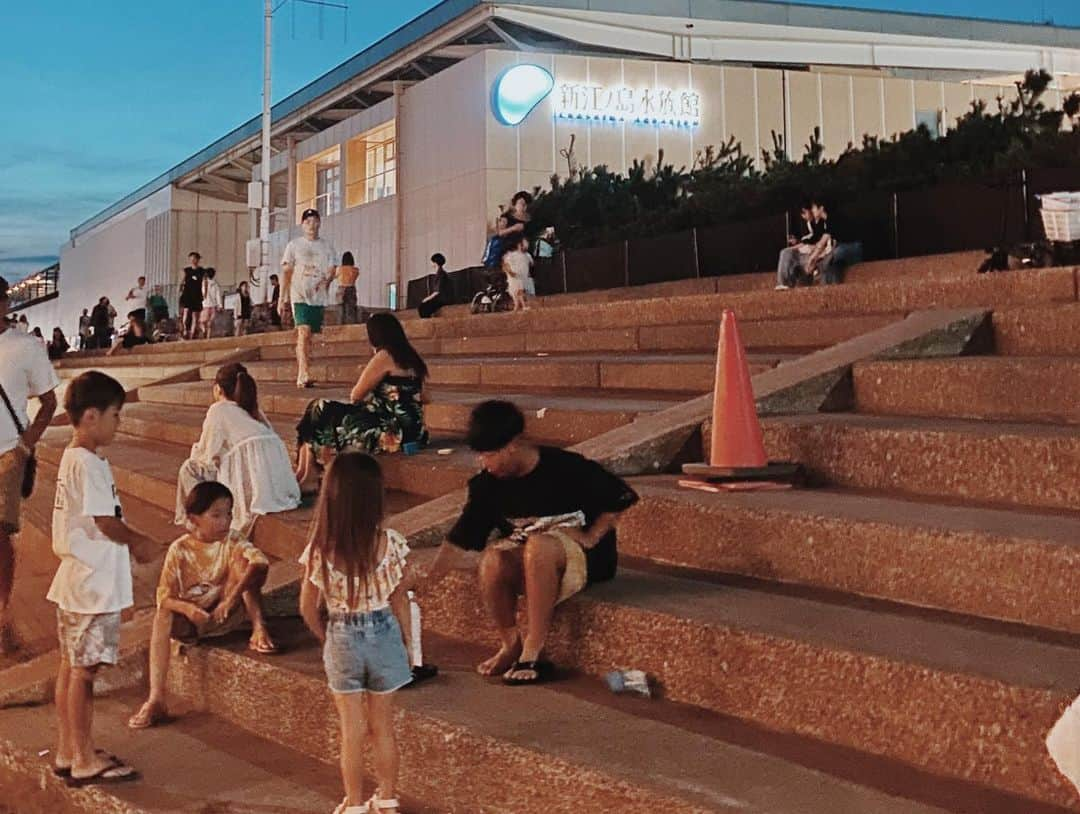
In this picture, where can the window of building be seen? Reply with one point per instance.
(318, 183)
(931, 120)
(372, 165)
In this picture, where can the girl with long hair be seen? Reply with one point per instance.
(239, 448)
(385, 409)
(354, 567)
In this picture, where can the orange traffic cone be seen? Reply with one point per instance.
(738, 449)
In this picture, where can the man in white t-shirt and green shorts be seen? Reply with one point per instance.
(309, 267)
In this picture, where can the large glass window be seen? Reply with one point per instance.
(318, 183)
(372, 165)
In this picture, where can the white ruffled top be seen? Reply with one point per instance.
(372, 590)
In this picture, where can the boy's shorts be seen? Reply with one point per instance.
(309, 315)
(365, 652)
(88, 639)
(12, 468)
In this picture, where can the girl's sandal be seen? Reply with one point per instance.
(345, 808)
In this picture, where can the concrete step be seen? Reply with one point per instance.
(1038, 330)
(898, 296)
(1017, 565)
(1000, 463)
(552, 418)
(199, 762)
(676, 373)
(128, 372)
(1013, 388)
(650, 757)
(856, 673)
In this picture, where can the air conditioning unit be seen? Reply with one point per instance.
(254, 253)
(255, 195)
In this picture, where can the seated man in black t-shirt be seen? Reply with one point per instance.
(554, 513)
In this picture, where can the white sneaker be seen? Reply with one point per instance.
(782, 287)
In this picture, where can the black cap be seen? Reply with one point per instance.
(308, 213)
(3, 289)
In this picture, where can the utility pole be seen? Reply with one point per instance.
(263, 278)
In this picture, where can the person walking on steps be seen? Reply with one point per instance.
(309, 265)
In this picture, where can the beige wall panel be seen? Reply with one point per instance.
(537, 133)
(989, 94)
(899, 112)
(708, 81)
(641, 141)
(502, 141)
(605, 138)
(770, 108)
(570, 67)
(803, 102)
(867, 94)
(676, 142)
(441, 131)
(739, 107)
(836, 109)
(927, 95)
(957, 102)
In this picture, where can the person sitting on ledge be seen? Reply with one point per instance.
(238, 447)
(555, 513)
(135, 336)
(385, 410)
(209, 574)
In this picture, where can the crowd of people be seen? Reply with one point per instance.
(554, 512)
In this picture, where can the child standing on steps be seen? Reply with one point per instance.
(207, 575)
(93, 583)
(356, 567)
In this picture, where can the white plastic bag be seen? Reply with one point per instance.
(1063, 743)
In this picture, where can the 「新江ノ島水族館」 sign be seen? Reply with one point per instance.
(660, 107)
(521, 88)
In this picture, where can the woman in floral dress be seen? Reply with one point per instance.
(385, 408)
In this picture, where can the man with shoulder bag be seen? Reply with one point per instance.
(25, 373)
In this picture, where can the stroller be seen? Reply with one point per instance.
(493, 296)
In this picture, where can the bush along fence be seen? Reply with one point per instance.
(974, 187)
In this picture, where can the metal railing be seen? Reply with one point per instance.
(38, 286)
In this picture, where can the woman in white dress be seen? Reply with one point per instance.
(239, 448)
(213, 302)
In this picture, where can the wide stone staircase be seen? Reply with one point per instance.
(896, 637)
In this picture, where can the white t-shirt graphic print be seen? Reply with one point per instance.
(95, 573)
(312, 261)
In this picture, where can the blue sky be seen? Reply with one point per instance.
(102, 96)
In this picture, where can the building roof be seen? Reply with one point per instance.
(469, 24)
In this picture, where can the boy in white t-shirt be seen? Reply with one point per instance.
(93, 583)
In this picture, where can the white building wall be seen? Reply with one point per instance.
(442, 175)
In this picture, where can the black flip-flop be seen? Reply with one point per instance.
(113, 773)
(540, 669)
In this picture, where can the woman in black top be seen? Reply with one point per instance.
(191, 296)
(444, 289)
(136, 335)
(243, 314)
(59, 345)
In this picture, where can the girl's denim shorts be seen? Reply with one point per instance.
(364, 652)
